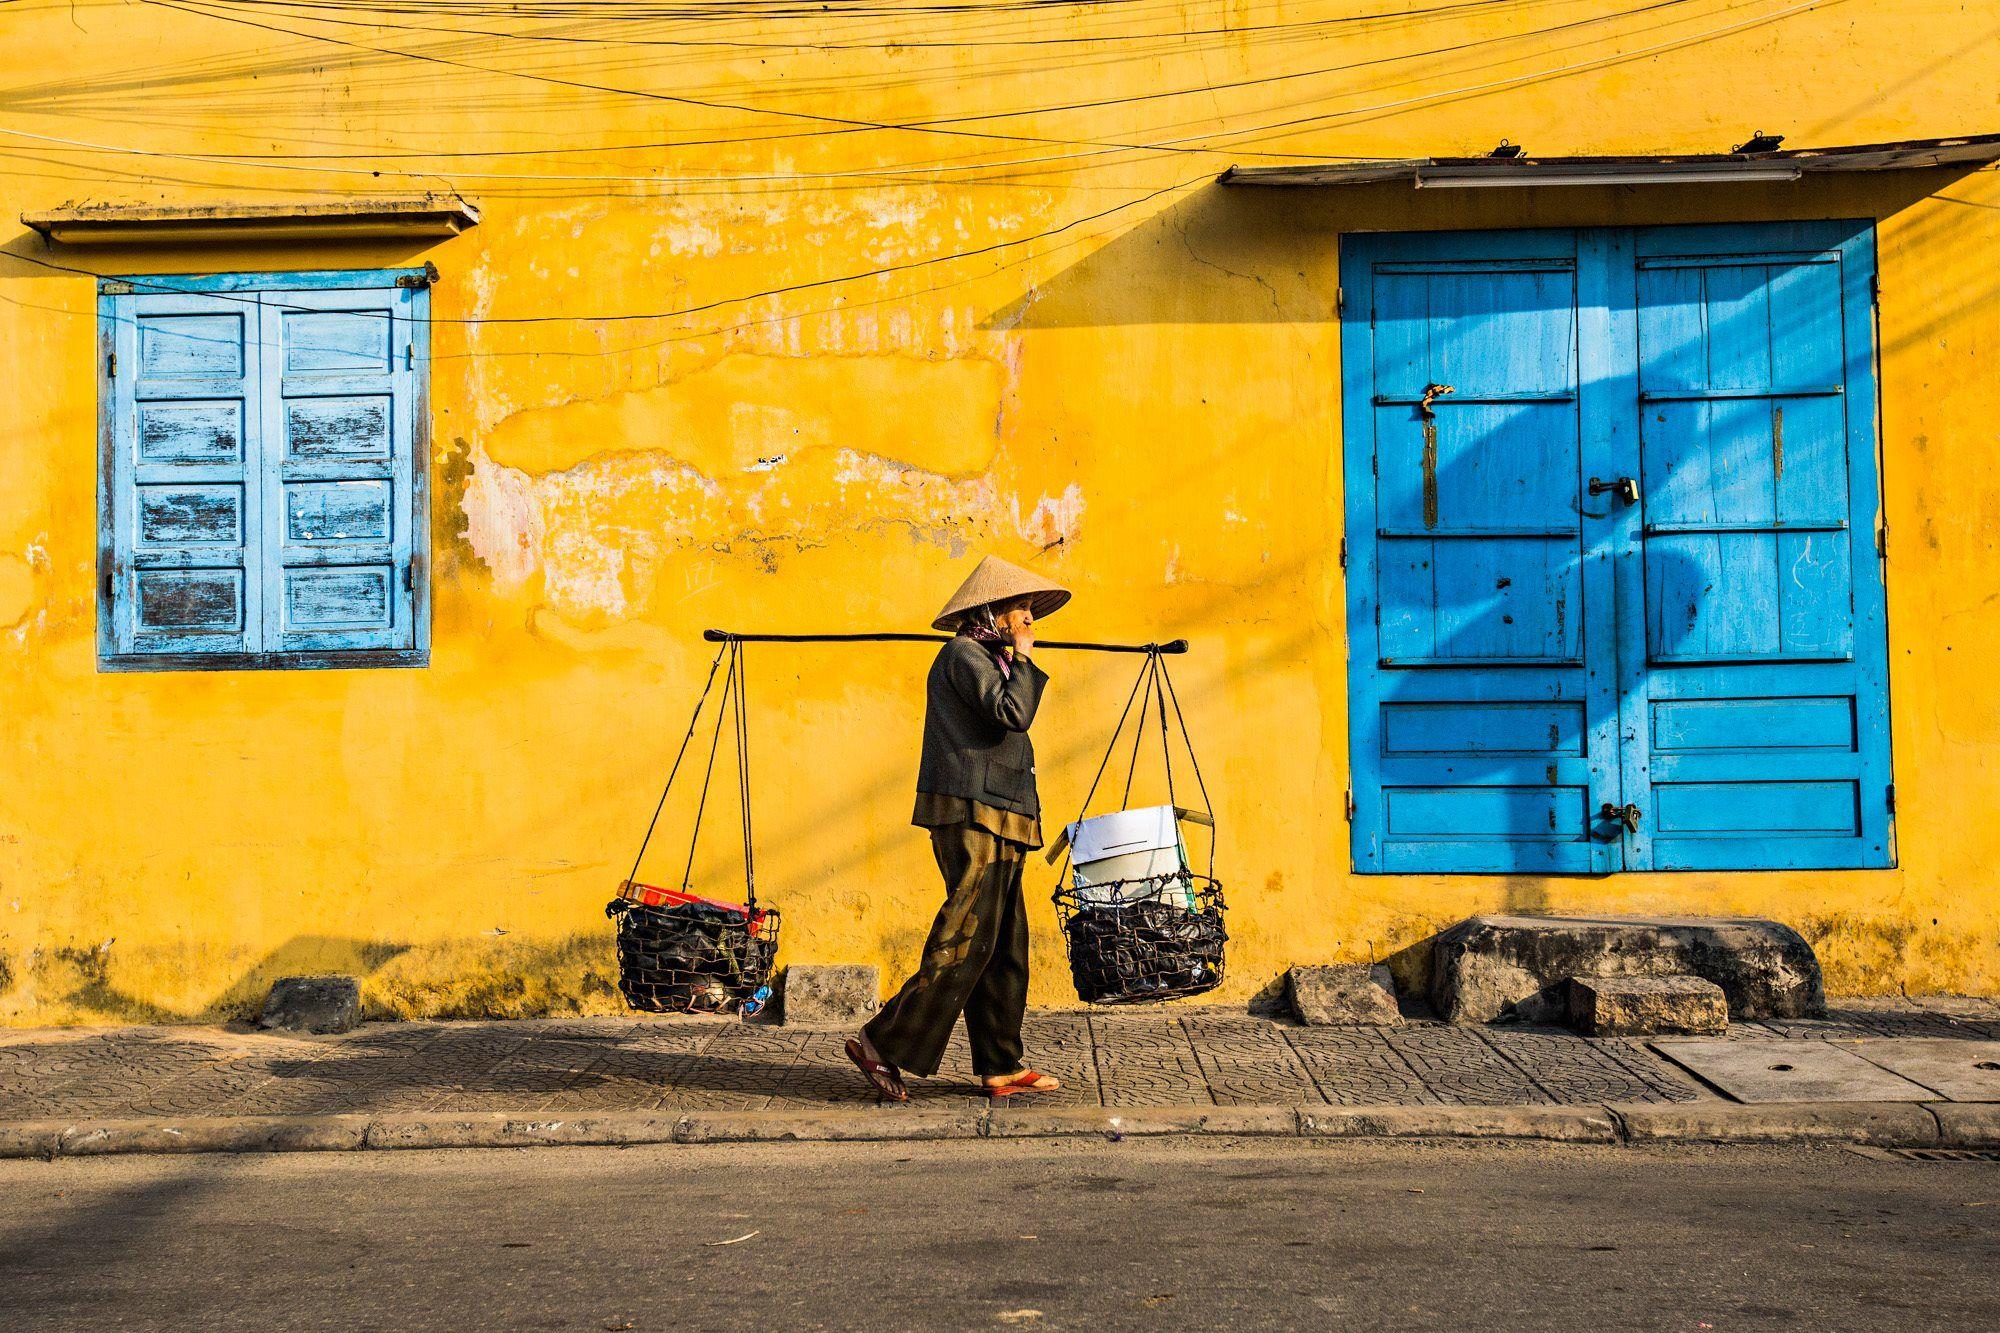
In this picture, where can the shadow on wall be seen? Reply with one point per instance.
(84, 982)
(1236, 254)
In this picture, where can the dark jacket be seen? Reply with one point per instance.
(976, 728)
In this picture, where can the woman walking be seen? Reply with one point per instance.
(976, 794)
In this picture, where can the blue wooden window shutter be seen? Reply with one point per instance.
(1613, 597)
(262, 488)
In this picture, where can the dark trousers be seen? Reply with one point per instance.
(975, 962)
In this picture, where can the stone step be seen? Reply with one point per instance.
(1647, 1006)
(1343, 995)
(1488, 967)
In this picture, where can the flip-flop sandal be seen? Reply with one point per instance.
(887, 1082)
(1024, 1081)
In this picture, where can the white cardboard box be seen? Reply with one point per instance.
(1136, 844)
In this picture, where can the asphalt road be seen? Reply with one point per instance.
(1041, 1235)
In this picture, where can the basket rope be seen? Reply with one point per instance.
(1154, 938)
(1156, 684)
(734, 707)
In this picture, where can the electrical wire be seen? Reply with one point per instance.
(161, 285)
(893, 174)
(947, 124)
(297, 8)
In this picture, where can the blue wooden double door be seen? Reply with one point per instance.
(1614, 593)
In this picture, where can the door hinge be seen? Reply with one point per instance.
(1890, 797)
(1343, 553)
(410, 577)
(111, 366)
(1882, 541)
(110, 583)
(428, 277)
(409, 356)
(1340, 300)
(1350, 805)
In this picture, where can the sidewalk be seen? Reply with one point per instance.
(618, 1080)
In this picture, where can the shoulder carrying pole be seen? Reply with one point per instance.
(726, 636)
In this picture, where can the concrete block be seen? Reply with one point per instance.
(815, 1125)
(30, 1139)
(1967, 1124)
(1348, 994)
(1487, 966)
(1881, 1124)
(1560, 1124)
(1647, 1006)
(831, 994)
(312, 1004)
(1051, 1122)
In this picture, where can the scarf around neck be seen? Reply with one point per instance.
(996, 643)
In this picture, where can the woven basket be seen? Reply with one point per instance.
(692, 957)
(1140, 940)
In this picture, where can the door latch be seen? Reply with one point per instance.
(1625, 488)
(1626, 817)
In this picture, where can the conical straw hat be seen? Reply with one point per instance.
(997, 581)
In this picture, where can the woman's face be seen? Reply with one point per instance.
(1015, 617)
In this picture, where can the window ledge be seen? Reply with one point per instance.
(349, 659)
(113, 224)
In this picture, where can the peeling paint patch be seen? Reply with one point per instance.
(1055, 520)
(503, 520)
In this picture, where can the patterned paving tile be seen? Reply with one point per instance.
(1460, 1069)
(1058, 1044)
(1147, 1061)
(1574, 1069)
(1358, 1067)
(202, 1090)
(739, 1069)
(1181, 1056)
(1248, 1062)
(525, 1079)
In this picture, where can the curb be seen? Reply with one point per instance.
(1876, 1124)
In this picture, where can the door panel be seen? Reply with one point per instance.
(1467, 590)
(1704, 648)
(1757, 440)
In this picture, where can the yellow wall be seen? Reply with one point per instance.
(1137, 395)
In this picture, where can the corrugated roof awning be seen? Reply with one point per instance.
(1662, 169)
(108, 224)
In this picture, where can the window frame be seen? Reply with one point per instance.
(417, 513)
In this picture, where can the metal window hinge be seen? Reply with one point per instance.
(1340, 300)
(111, 366)
(410, 577)
(1890, 797)
(1350, 805)
(1343, 553)
(409, 356)
(1882, 541)
(110, 584)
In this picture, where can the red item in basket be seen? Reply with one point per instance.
(648, 895)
